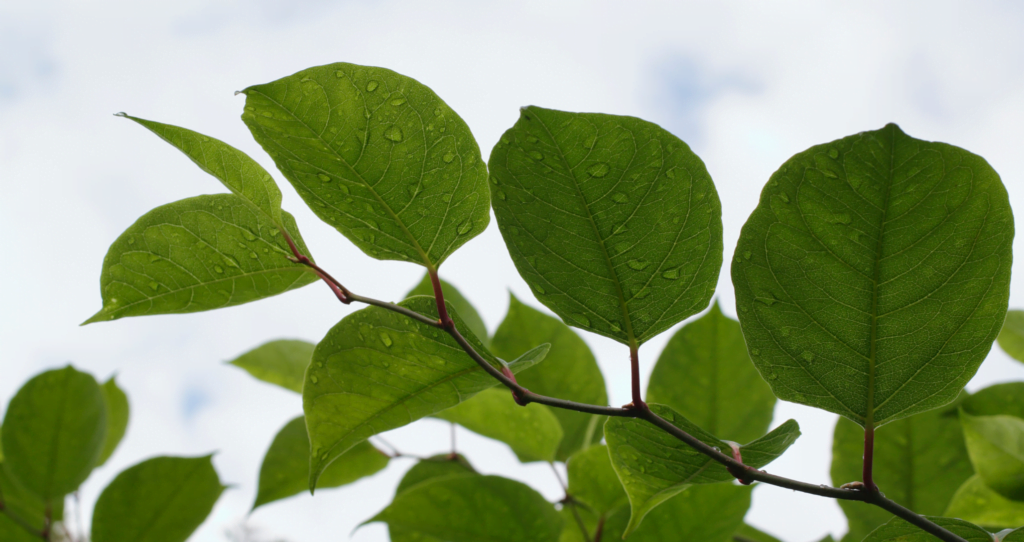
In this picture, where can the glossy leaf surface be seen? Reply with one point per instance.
(599, 212)
(474, 508)
(378, 156)
(163, 499)
(118, 412)
(569, 371)
(654, 466)
(1011, 337)
(232, 167)
(977, 503)
(532, 432)
(705, 374)
(377, 370)
(919, 462)
(198, 254)
(285, 469)
(593, 481)
(996, 447)
(898, 530)
(462, 305)
(53, 432)
(282, 362)
(874, 274)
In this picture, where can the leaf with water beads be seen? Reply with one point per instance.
(898, 530)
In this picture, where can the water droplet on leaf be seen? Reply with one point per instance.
(638, 265)
(671, 274)
(393, 133)
(536, 155)
(324, 178)
(386, 339)
(598, 170)
(465, 227)
(371, 86)
(448, 157)
(398, 101)
(619, 197)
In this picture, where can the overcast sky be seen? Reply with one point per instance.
(746, 84)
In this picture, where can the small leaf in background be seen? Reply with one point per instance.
(282, 362)
(754, 534)
(599, 211)
(919, 462)
(569, 371)
(874, 274)
(705, 374)
(198, 254)
(532, 431)
(1016, 535)
(1007, 398)
(29, 507)
(488, 508)
(462, 306)
(377, 370)
(438, 466)
(593, 482)
(378, 156)
(654, 466)
(163, 499)
(1011, 338)
(975, 502)
(285, 469)
(53, 432)
(118, 411)
(898, 530)
(996, 447)
(240, 173)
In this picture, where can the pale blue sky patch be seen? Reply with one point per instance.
(26, 63)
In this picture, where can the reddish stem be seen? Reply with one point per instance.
(442, 310)
(340, 291)
(600, 529)
(736, 471)
(634, 361)
(869, 458)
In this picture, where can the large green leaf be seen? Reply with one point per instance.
(285, 469)
(118, 411)
(377, 370)
(654, 466)
(376, 155)
(569, 371)
(977, 503)
(1006, 398)
(996, 446)
(705, 374)
(474, 509)
(753, 534)
(919, 462)
(163, 499)
(282, 362)
(532, 432)
(1011, 337)
(898, 530)
(53, 432)
(198, 254)
(593, 482)
(241, 174)
(438, 466)
(874, 274)
(462, 305)
(599, 211)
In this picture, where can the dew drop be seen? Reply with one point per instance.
(131, 241)
(638, 265)
(371, 86)
(218, 269)
(841, 218)
(313, 379)
(590, 142)
(437, 111)
(154, 285)
(784, 197)
(393, 133)
(832, 153)
(386, 339)
(540, 289)
(598, 170)
(154, 258)
(671, 274)
(268, 114)
(448, 157)
(808, 356)
(465, 227)
(324, 178)
(671, 174)
(773, 376)
(785, 332)
(536, 155)
(755, 351)
(231, 262)
(501, 195)
(531, 139)
(619, 197)
(339, 74)
(249, 236)
(446, 198)
(398, 101)
(581, 319)
(746, 254)
(319, 364)
(621, 228)
(253, 256)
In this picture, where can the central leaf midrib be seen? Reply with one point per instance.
(597, 233)
(341, 160)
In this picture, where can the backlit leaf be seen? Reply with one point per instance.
(21, 503)
(424, 471)
(600, 211)
(654, 466)
(996, 446)
(569, 371)
(282, 362)
(705, 374)
(378, 156)
(53, 432)
(377, 370)
(874, 274)
(163, 499)
(462, 306)
(198, 254)
(898, 530)
(756, 535)
(593, 482)
(1006, 398)
(977, 503)
(1011, 337)
(117, 418)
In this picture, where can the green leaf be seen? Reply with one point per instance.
(163, 499)
(376, 155)
(282, 362)
(705, 374)
(828, 538)
(898, 530)
(53, 432)
(31, 509)
(593, 482)
(1007, 398)
(654, 466)
(424, 471)
(874, 274)
(474, 508)
(1011, 338)
(975, 502)
(285, 469)
(198, 254)
(377, 370)
(569, 371)
(118, 411)
(919, 462)
(996, 447)
(756, 535)
(241, 174)
(599, 211)
(1016, 535)
(532, 432)
(462, 305)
